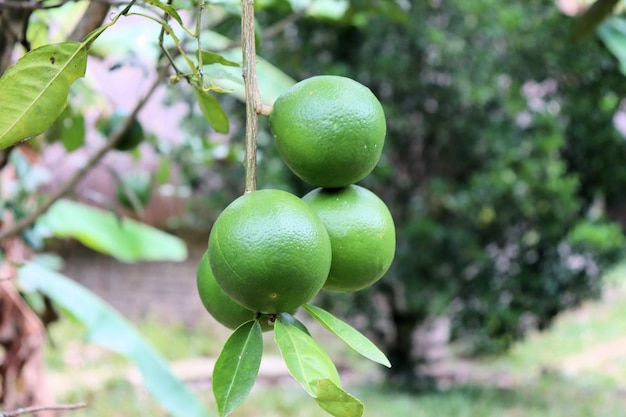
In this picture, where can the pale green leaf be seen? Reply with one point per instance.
(613, 33)
(209, 58)
(348, 334)
(237, 367)
(212, 110)
(164, 171)
(271, 80)
(329, 9)
(306, 360)
(71, 129)
(125, 239)
(109, 329)
(34, 90)
(336, 401)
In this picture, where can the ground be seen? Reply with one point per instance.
(576, 368)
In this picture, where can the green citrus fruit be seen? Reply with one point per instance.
(329, 130)
(269, 251)
(130, 139)
(362, 235)
(223, 308)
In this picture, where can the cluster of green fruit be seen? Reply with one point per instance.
(271, 252)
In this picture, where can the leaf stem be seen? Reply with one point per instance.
(253, 99)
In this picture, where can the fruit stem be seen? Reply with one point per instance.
(254, 106)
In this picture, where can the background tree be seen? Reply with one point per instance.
(501, 151)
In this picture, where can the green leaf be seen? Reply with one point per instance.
(167, 9)
(212, 110)
(71, 129)
(164, 170)
(34, 90)
(306, 360)
(109, 329)
(237, 367)
(590, 20)
(209, 58)
(125, 239)
(329, 9)
(613, 33)
(348, 334)
(336, 401)
(271, 80)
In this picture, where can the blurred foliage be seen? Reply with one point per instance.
(501, 153)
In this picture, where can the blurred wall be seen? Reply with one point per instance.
(156, 290)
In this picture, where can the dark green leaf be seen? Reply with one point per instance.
(126, 240)
(109, 329)
(212, 110)
(237, 367)
(34, 90)
(209, 58)
(336, 401)
(590, 20)
(306, 360)
(348, 334)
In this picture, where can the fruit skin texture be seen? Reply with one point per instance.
(219, 305)
(362, 235)
(329, 130)
(269, 251)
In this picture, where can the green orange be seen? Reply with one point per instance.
(269, 251)
(329, 130)
(130, 139)
(362, 235)
(221, 307)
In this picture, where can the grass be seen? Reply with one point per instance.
(597, 328)
(550, 397)
(548, 388)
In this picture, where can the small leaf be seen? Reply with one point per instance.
(348, 334)
(590, 20)
(306, 360)
(209, 58)
(34, 90)
(167, 9)
(212, 110)
(237, 367)
(336, 401)
(271, 80)
(126, 240)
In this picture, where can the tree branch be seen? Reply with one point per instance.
(253, 99)
(30, 5)
(30, 219)
(93, 17)
(27, 410)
